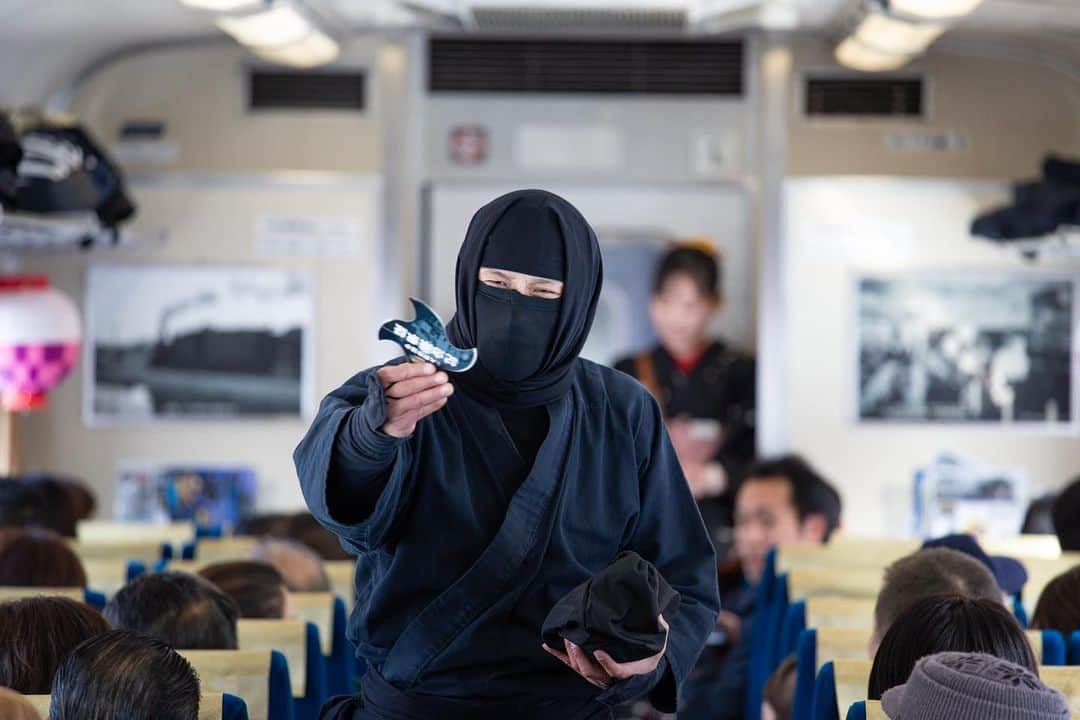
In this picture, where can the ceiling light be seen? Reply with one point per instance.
(315, 49)
(933, 9)
(889, 35)
(223, 5)
(280, 25)
(854, 54)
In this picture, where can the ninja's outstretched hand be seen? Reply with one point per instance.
(413, 391)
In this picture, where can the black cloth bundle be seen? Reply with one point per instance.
(1039, 207)
(615, 611)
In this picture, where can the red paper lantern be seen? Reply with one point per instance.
(39, 340)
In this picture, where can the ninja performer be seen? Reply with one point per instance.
(474, 506)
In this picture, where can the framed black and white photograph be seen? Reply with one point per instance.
(970, 348)
(185, 342)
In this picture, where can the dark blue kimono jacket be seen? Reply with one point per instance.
(458, 565)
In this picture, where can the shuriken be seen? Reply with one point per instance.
(425, 339)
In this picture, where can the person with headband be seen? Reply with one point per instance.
(474, 505)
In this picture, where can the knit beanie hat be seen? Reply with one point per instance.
(963, 686)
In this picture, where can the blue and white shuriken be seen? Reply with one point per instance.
(425, 339)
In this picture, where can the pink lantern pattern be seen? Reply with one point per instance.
(39, 340)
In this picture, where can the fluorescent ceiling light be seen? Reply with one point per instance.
(889, 35)
(933, 9)
(854, 54)
(223, 5)
(280, 25)
(315, 49)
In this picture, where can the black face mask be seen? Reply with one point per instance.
(514, 332)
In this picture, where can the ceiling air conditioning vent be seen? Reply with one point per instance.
(273, 90)
(578, 20)
(852, 96)
(503, 65)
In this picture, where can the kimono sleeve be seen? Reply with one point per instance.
(669, 533)
(355, 478)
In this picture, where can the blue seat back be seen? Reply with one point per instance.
(823, 706)
(759, 653)
(307, 707)
(1053, 648)
(857, 711)
(805, 674)
(233, 708)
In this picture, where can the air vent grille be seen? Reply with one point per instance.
(578, 20)
(507, 65)
(307, 91)
(877, 97)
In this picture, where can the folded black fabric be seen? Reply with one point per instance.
(615, 611)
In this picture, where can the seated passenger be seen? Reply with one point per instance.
(298, 564)
(926, 573)
(185, 611)
(959, 686)
(947, 623)
(36, 634)
(39, 558)
(257, 588)
(781, 501)
(122, 674)
(1058, 607)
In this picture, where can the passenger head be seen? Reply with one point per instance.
(124, 674)
(947, 623)
(926, 573)
(59, 495)
(38, 558)
(257, 588)
(1010, 574)
(36, 634)
(1059, 604)
(1066, 514)
(13, 706)
(185, 611)
(21, 505)
(1039, 519)
(779, 692)
(686, 294)
(299, 565)
(780, 501)
(959, 686)
(307, 530)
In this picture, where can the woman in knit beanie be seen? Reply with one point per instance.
(947, 623)
(973, 686)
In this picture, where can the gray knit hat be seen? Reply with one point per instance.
(972, 686)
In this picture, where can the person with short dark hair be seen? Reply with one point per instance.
(185, 611)
(1066, 516)
(21, 505)
(63, 500)
(947, 623)
(925, 573)
(705, 387)
(39, 558)
(257, 588)
(121, 674)
(1058, 607)
(781, 500)
(36, 634)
